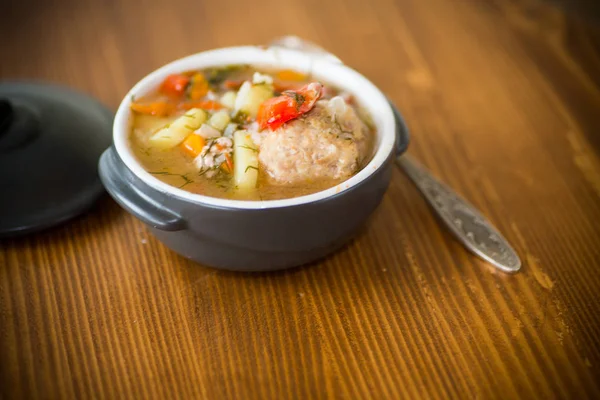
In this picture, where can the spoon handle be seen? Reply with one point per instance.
(469, 226)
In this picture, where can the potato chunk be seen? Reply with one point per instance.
(245, 161)
(176, 132)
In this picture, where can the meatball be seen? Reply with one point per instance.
(329, 142)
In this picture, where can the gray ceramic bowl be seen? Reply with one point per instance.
(255, 235)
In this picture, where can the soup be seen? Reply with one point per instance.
(241, 133)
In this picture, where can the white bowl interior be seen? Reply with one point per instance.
(323, 69)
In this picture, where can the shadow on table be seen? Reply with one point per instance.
(376, 248)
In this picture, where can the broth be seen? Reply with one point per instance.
(313, 138)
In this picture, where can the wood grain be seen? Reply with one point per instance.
(503, 100)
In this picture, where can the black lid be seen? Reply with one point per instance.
(50, 141)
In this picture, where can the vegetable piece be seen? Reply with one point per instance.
(198, 87)
(193, 145)
(205, 105)
(232, 84)
(276, 111)
(250, 97)
(259, 78)
(291, 104)
(174, 85)
(174, 133)
(337, 107)
(230, 129)
(146, 125)
(245, 161)
(208, 132)
(219, 120)
(228, 99)
(241, 118)
(227, 166)
(291, 75)
(218, 75)
(161, 108)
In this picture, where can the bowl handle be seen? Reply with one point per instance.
(299, 44)
(119, 182)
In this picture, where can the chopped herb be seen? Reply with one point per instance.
(249, 148)
(187, 181)
(250, 167)
(184, 177)
(217, 75)
(167, 126)
(268, 85)
(133, 98)
(190, 84)
(240, 118)
(298, 98)
(335, 121)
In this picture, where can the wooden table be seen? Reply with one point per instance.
(503, 100)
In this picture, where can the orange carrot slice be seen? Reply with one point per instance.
(160, 108)
(193, 145)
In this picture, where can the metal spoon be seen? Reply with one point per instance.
(475, 232)
(468, 225)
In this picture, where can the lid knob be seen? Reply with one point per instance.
(7, 115)
(19, 125)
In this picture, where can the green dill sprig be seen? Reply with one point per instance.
(337, 123)
(298, 98)
(187, 180)
(217, 75)
(248, 148)
(240, 118)
(223, 186)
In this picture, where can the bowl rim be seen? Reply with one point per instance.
(330, 71)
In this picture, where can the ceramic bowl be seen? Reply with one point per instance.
(255, 235)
